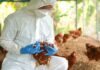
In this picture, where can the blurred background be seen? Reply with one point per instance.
(67, 14)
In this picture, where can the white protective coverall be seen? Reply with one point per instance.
(24, 27)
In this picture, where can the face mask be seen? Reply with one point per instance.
(46, 9)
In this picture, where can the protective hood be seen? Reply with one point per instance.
(35, 4)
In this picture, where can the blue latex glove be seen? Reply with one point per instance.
(50, 50)
(31, 49)
(37, 44)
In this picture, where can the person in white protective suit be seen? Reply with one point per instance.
(23, 28)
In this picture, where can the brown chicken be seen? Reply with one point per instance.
(41, 57)
(59, 38)
(65, 37)
(75, 33)
(92, 52)
(72, 59)
(2, 55)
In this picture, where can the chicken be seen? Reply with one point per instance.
(92, 52)
(75, 33)
(41, 57)
(59, 38)
(2, 55)
(65, 37)
(78, 32)
(72, 59)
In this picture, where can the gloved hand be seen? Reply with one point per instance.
(37, 44)
(31, 49)
(50, 50)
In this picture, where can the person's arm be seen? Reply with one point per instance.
(8, 35)
(51, 36)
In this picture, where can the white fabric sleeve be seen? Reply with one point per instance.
(51, 36)
(8, 35)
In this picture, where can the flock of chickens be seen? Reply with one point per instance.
(92, 51)
(62, 38)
